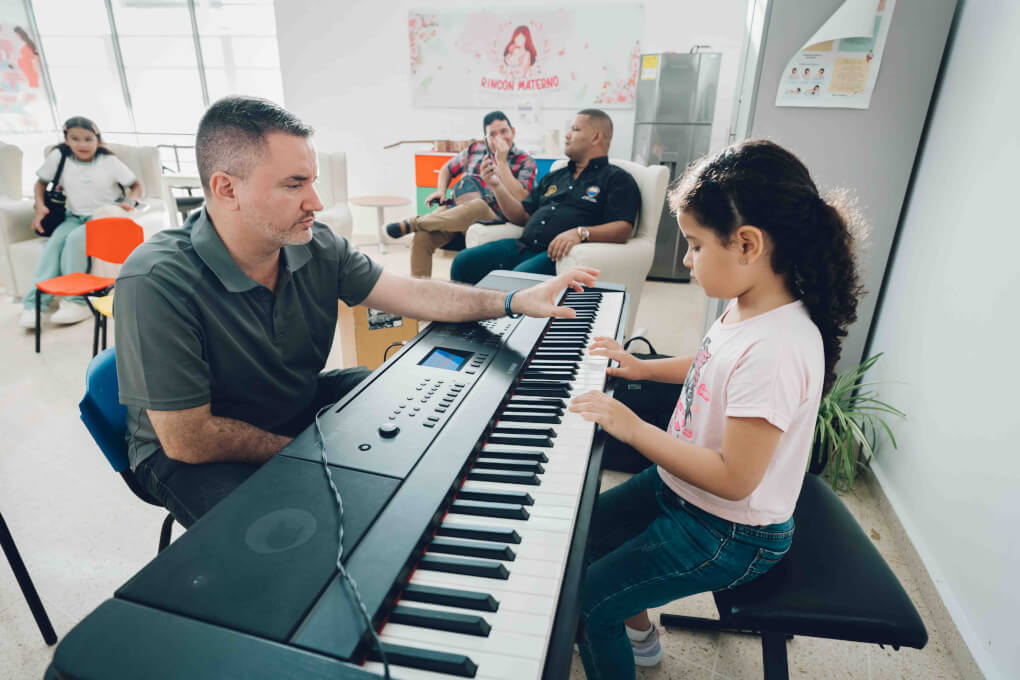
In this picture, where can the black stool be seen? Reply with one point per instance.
(832, 583)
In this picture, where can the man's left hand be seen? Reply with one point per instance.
(540, 301)
(562, 244)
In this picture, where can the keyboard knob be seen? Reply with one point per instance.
(388, 430)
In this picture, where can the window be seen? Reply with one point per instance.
(151, 48)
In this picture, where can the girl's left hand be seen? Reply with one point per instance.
(613, 416)
(126, 207)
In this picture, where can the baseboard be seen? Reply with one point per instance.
(945, 627)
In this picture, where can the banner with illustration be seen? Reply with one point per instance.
(569, 57)
(23, 103)
(839, 65)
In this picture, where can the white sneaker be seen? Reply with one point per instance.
(68, 313)
(27, 319)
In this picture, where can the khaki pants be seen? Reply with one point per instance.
(435, 230)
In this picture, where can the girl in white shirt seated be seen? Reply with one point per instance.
(716, 510)
(93, 181)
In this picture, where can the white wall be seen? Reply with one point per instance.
(948, 326)
(345, 68)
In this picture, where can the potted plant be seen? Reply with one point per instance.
(847, 427)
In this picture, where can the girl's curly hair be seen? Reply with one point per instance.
(759, 183)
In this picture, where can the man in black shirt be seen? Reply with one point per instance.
(588, 200)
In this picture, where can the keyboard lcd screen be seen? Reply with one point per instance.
(448, 359)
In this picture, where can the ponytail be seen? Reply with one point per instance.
(757, 182)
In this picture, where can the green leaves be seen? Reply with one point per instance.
(849, 418)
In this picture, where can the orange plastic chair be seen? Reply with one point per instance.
(110, 239)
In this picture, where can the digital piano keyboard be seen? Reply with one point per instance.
(468, 488)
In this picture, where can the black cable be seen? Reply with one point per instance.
(398, 343)
(352, 587)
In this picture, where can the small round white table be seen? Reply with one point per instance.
(380, 203)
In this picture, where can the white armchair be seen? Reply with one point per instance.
(332, 188)
(22, 246)
(627, 263)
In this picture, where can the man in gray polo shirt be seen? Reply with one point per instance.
(224, 325)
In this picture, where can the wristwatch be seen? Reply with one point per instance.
(584, 233)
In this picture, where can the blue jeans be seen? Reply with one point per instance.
(471, 265)
(64, 253)
(648, 547)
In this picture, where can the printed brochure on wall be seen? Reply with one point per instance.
(838, 67)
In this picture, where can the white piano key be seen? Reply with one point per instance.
(509, 643)
(537, 493)
(523, 583)
(508, 599)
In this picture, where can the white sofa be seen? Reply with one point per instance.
(627, 263)
(332, 189)
(22, 246)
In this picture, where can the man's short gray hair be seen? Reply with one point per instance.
(232, 134)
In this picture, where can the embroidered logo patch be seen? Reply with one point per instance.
(551, 190)
(591, 194)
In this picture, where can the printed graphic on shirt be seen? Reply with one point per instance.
(591, 194)
(686, 407)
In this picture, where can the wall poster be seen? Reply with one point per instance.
(839, 65)
(23, 103)
(569, 57)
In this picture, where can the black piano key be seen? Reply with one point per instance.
(464, 566)
(544, 382)
(455, 546)
(550, 373)
(478, 533)
(494, 496)
(516, 429)
(450, 597)
(508, 476)
(508, 464)
(562, 355)
(540, 409)
(517, 455)
(483, 509)
(531, 391)
(521, 440)
(538, 401)
(426, 660)
(468, 624)
(530, 417)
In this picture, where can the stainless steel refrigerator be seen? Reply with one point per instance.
(672, 127)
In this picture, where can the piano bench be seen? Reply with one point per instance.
(832, 583)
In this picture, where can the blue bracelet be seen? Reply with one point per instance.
(509, 297)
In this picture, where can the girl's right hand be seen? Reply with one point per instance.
(39, 215)
(630, 368)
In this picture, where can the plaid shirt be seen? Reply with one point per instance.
(469, 162)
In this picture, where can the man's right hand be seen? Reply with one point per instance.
(40, 213)
(434, 198)
(489, 173)
(630, 368)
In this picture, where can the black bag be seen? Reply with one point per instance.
(653, 402)
(55, 200)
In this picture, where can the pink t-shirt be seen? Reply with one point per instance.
(770, 366)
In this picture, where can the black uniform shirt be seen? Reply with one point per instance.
(602, 193)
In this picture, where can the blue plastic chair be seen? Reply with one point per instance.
(106, 420)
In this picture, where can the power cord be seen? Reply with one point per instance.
(352, 587)
(386, 352)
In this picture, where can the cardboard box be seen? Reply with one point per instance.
(366, 333)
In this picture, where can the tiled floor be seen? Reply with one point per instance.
(82, 533)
